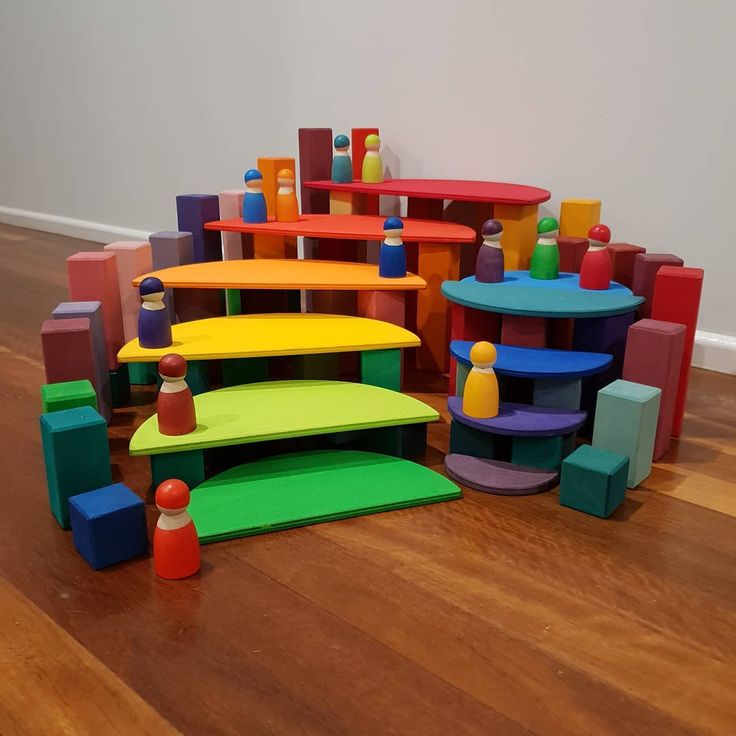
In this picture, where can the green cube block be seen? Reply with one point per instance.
(465, 440)
(67, 395)
(76, 454)
(381, 368)
(120, 386)
(142, 374)
(593, 481)
(538, 452)
(187, 466)
(237, 371)
(626, 423)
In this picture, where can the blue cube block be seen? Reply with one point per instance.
(109, 525)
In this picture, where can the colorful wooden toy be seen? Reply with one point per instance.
(169, 249)
(646, 267)
(68, 354)
(133, 259)
(154, 325)
(357, 138)
(234, 245)
(175, 404)
(342, 166)
(175, 542)
(270, 166)
(525, 332)
(67, 395)
(626, 423)
(498, 477)
(287, 208)
(392, 258)
(577, 216)
(254, 202)
(489, 263)
(677, 299)
(193, 212)
(545, 453)
(315, 162)
(372, 172)
(622, 258)
(76, 455)
(596, 270)
(545, 262)
(572, 250)
(593, 481)
(480, 396)
(108, 525)
(653, 357)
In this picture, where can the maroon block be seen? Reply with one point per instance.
(622, 260)
(526, 332)
(646, 266)
(572, 251)
(471, 324)
(68, 353)
(560, 332)
(315, 164)
(653, 357)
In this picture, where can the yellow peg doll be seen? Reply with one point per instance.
(480, 397)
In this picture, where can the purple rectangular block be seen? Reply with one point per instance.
(192, 212)
(170, 248)
(93, 312)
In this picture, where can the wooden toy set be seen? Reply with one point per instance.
(535, 320)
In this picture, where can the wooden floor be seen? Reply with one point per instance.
(487, 615)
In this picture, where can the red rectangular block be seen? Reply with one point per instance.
(677, 299)
(572, 251)
(622, 260)
(646, 266)
(94, 277)
(526, 332)
(471, 324)
(653, 357)
(387, 306)
(68, 354)
(357, 146)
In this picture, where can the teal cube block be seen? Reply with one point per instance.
(626, 423)
(67, 395)
(538, 452)
(594, 481)
(77, 456)
(466, 440)
(120, 386)
(381, 368)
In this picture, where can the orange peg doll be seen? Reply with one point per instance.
(175, 540)
(287, 208)
(480, 397)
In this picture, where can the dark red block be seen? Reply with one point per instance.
(653, 357)
(357, 147)
(526, 332)
(622, 259)
(315, 164)
(471, 324)
(572, 251)
(646, 266)
(677, 299)
(68, 353)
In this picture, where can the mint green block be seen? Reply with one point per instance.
(461, 375)
(142, 374)
(120, 386)
(381, 368)
(465, 440)
(67, 395)
(538, 452)
(557, 393)
(187, 466)
(237, 371)
(593, 481)
(76, 454)
(626, 423)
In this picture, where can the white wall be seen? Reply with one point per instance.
(110, 109)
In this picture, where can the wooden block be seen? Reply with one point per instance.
(94, 277)
(187, 466)
(386, 306)
(519, 233)
(526, 332)
(192, 212)
(270, 166)
(406, 441)
(76, 454)
(235, 246)
(593, 481)
(622, 261)
(108, 525)
(171, 248)
(677, 299)
(577, 216)
(466, 440)
(133, 259)
(67, 395)
(315, 164)
(318, 366)
(381, 368)
(560, 333)
(142, 374)
(626, 423)
(357, 139)
(572, 250)
(654, 357)
(93, 312)
(68, 354)
(646, 266)
(557, 393)
(538, 452)
(237, 371)
(347, 203)
(120, 386)
(458, 375)
(472, 214)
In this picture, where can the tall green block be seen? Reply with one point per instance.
(318, 366)
(186, 466)
(381, 368)
(465, 440)
(626, 423)
(461, 375)
(232, 302)
(237, 371)
(67, 395)
(538, 452)
(142, 374)
(593, 481)
(120, 386)
(76, 454)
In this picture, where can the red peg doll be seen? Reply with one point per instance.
(175, 540)
(175, 404)
(596, 270)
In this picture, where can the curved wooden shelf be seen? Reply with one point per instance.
(497, 477)
(265, 335)
(267, 273)
(351, 227)
(256, 412)
(456, 189)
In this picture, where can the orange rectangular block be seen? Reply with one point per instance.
(519, 233)
(357, 146)
(347, 203)
(270, 166)
(577, 216)
(133, 259)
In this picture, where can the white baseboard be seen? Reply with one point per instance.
(713, 351)
(94, 231)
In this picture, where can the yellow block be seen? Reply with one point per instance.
(519, 233)
(347, 203)
(577, 216)
(261, 335)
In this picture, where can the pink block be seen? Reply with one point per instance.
(653, 357)
(231, 206)
(133, 259)
(94, 277)
(68, 354)
(387, 306)
(646, 266)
